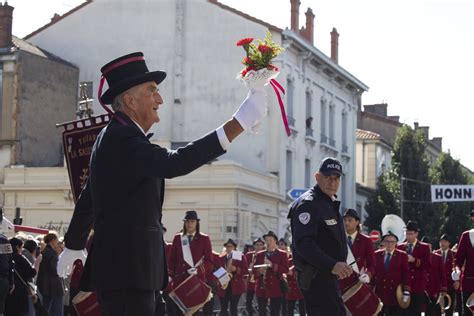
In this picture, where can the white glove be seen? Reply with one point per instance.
(192, 271)
(455, 275)
(67, 259)
(252, 110)
(406, 297)
(364, 278)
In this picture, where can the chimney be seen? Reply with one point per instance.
(309, 31)
(6, 18)
(335, 45)
(295, 15)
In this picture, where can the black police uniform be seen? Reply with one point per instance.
(6, 270)
(318, 243)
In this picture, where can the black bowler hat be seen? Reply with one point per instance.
(352, 213)
(271, 234)
(258, 240)
(413, 226)
(283, 241)
(389, 233)
(330, 166)
(192, 214)
(230, 241)
(445, 237)
(126, 72)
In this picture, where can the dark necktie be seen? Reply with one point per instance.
(387, 261)
(349, 241)
(190, 238)
(410, 249)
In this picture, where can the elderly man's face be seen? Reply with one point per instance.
(144, 101)
(328, 184)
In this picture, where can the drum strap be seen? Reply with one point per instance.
(350, 259)
(186, 247)
(471, 237)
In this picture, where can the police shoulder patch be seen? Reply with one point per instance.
(304, 218)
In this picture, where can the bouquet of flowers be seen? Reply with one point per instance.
(258, 67)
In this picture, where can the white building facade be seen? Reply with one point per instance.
(194, 42)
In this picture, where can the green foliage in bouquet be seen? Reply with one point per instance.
(259, 56)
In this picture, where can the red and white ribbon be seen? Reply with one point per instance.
(278, 88)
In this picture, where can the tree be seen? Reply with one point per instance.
(381, 203)
(447, 170)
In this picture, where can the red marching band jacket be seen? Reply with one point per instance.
(294, 292)
(465, 258)
(268, 284)
(237, 282)
(420, 268)
(363, 252)
(251, 257)
(448, 267)
(436, 277)
(200, 249)
(387, 281)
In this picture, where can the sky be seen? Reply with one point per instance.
(416, 55)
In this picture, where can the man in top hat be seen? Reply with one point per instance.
(464, 259)
(391, 271)
(436, 281)
(447, 259)
(191, 253)
(237, 266)
(361, 247)
(268, 286)
(419, 263)
(319, 243)
(125, 188)
(251, 256)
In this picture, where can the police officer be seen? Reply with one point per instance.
(6, 266)
(319, 243)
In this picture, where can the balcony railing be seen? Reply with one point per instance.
(324, 139)
(291, 121)
(345, 149)
(309, 131)
(332, 142)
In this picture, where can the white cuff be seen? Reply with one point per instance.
(223, 140)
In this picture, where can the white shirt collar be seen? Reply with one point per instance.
(138, 125)
(391, 253)
(353, 236)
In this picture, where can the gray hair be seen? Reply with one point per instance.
(117, 103)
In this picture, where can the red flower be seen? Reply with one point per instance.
(244, 72)
(272, 67)
(247, 61)
(245, 41)
(264, 48)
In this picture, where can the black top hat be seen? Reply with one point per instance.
(271, 234)
(389, 233)
(192, 214)
(413, 226)
(330, 166)
(352, 213)
(126, 72)
(445, 237)
(258, 240)
(230, 241)
(282, 240)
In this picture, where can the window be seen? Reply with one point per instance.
(289, 102)
(344, 132)
(307, 173)
(289, 169)
(331, 126)
(323, 122)
(309, 117)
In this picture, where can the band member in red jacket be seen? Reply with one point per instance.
(465, 258)
(238, 268)
(436, 281)
(391, 270)
(362, 249)
(268, 278)
(258, 245)
(419, 265)
(191, 253)
(294, 294)
(447, 258)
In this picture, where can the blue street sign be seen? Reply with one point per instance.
(295, 193)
